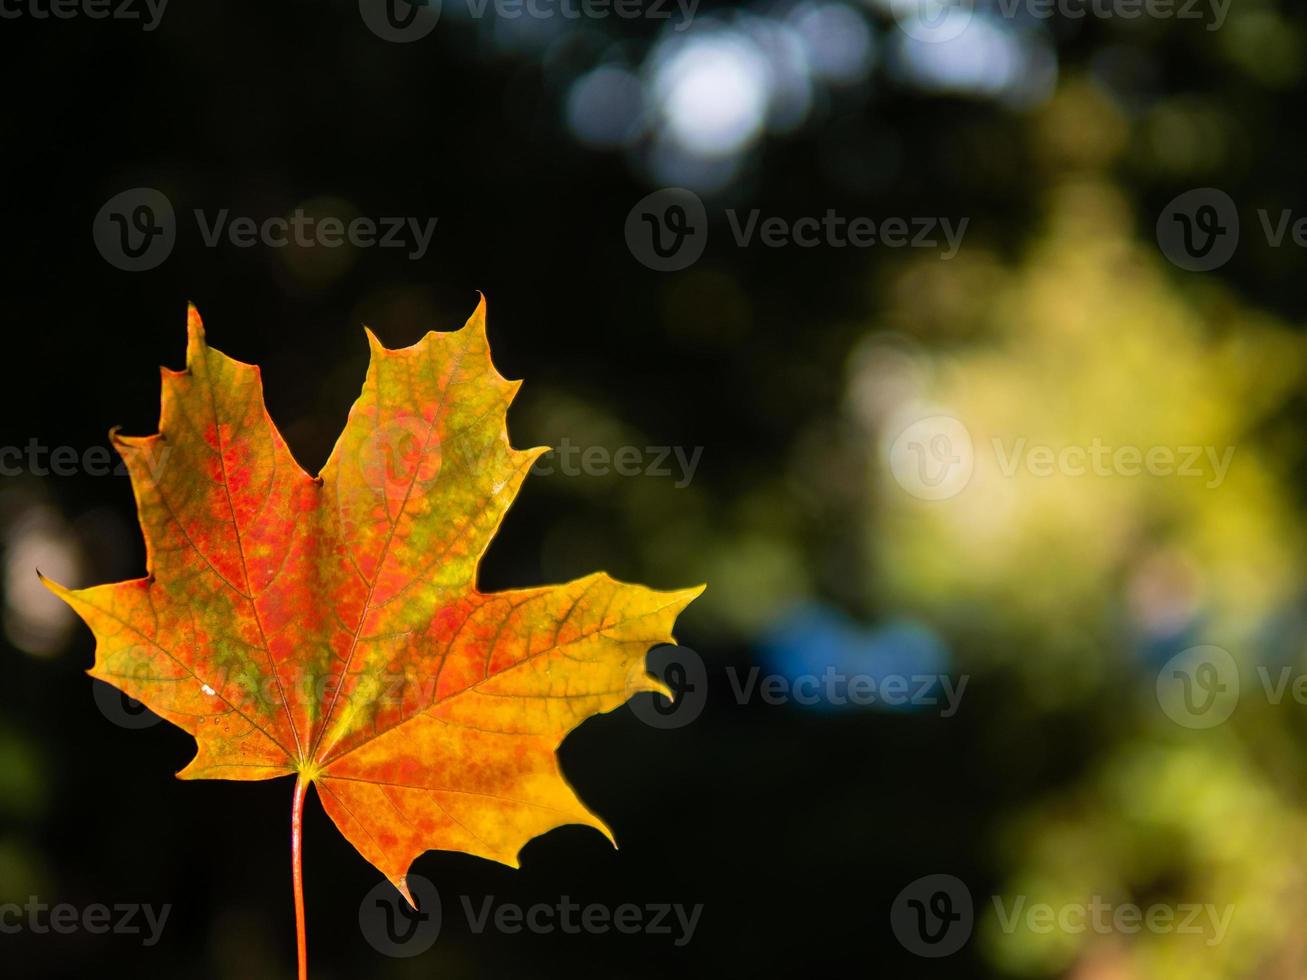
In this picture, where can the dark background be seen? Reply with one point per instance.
(796, 827)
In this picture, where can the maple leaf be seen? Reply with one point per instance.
(331, 627)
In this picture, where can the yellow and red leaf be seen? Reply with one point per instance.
(331, 627)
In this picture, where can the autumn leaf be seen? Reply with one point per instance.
(331, 628)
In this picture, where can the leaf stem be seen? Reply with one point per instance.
(296, 872)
